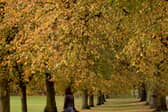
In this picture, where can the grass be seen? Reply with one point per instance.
(37, 104)
(122, 105)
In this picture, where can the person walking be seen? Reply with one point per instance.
(69, 105)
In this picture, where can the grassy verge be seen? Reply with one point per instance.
(37, 104)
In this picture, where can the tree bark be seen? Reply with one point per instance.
(22, 86)
(51, 103)
(23, 97)
(100, 99)
(107, 96)
(161, 103)
(4, 96)
(104, 98)
(153, 101)
(148, 99)
(91, 100)
(158, 101)
(143, 93)
(85, 100)
(148, 93)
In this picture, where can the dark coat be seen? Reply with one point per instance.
(69, 102)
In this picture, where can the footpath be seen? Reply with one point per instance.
(121, 105)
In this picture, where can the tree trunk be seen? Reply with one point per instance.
(107, 96)
(4, 96)
(161, 103)
(158, 101)
(148, 95)
(85, 100)
(104, 98)
(91, 100)
(153, 101)
(100, 98)
(22, 86)
(23, 97)
(51, 103)
(142, 92)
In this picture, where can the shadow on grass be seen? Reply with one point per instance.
(122, 105)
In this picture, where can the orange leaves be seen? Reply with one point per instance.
(27, 73)
(90, 42)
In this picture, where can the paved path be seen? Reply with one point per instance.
(121, 105)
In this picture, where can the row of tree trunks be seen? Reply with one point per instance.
(51, 104)
(162, 103)
(88, 100)
(4, 96)
(153, 97)
(157, 101)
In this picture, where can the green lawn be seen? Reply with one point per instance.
(122, 105)
(37, 104)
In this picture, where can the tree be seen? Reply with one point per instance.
(150, 33)
(7, 35)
